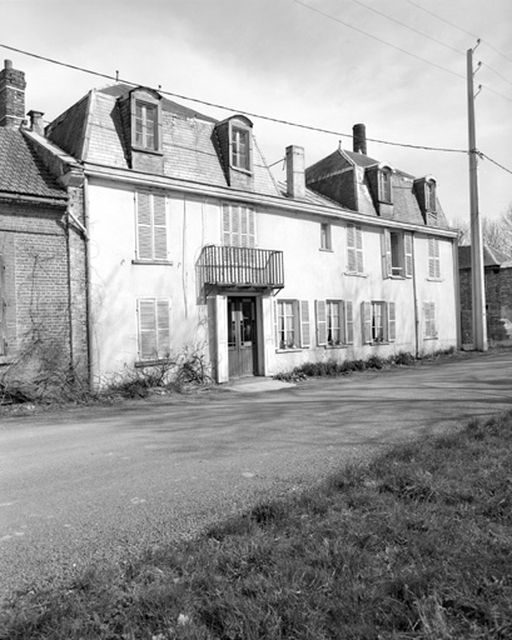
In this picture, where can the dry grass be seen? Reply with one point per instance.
(416, 545)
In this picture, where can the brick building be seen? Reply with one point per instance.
(42, 257)
(498, 296)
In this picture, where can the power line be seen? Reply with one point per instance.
(483, 155)
(370, 35)
(456, 26)
(403, 24)
(488, 66)
(231, 109)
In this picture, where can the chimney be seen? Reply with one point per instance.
(36, 121)
(295, 178)
(12, 96)
(359, 138)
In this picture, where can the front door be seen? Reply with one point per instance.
(242, 337)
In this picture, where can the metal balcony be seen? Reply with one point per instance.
(243, 267)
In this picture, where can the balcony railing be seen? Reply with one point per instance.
(241, 267)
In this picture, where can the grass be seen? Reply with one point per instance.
(416, 544)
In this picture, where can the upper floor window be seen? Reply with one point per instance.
(325, 236)
(430, 196)
(240, 148)
(151, 227)
(385, 192)
(354, 249)
(397, 257)
(434, 259)
(238, 226)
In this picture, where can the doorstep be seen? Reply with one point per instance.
(256, 384)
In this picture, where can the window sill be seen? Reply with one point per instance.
(431, 337)
(168, 263)
(140, 364)
(335, 346)
(396, 277)
(377, 344)
(356, 274)
(291, 350)
(247, 172)
(325, 250)
(153, 152)
(435, 279)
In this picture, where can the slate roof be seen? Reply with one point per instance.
(91, 131)
(492, 257)
(21, 171)
(340, 162)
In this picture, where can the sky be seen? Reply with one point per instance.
(329, 65)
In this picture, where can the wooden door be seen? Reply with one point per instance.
(242, 337)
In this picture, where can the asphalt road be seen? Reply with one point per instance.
(104, 483)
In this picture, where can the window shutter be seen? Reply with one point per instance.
(147, 329)
(431, 258)
(226, 230)
(3, 309)
(276, 323)
(244, 227)
(252, 228)
(437, 261)
(366, 320)
(359, 250)
(163, 328)
(351, 248)
(235, 226)
(433, 319)
(305, 338)
(385, 243)
(144, 227)
(321, 323)
(349, 322)
(408, 254)
(391, 322)
(159, 227)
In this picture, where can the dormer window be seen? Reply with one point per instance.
(240, 149)
(385, 193)
(430, 196)
(146, 120)
(146, 126)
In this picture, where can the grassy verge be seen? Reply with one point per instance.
(418, 544)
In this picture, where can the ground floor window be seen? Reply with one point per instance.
(378, 321)
(153, 328)
(292, 324)
(334, 323)
(429, 317)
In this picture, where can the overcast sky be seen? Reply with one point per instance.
(282, 59)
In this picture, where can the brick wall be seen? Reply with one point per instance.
(44, 331)
(498, 295)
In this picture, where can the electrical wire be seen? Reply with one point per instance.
(231, 109)
(406, 26)
(483, 155)
(370, 35)
(488, 66)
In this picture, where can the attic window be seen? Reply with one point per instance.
(430, 196)
(240, 146)
(146, 125)
(385, 194)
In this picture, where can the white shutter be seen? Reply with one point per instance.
(391, 321)
(321, 323)
(408, 254)
(431, 258)
(226, 227)
(3, 309)
(144, 227)
(366, 321)
(351, 248)
(385, 243)
(349, 322)
(159, 227)
(359, 250)
(252, 228)
(305, 337)
(163, 328)
(276, 325)
(147, 329)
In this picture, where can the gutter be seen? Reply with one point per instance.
(128, 176)
(88, 296)
(42, 200)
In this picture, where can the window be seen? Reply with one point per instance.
(240, 148)
(385, 193)
(354, 249)
(153, 320)
(396, 254)
(146, 125)
(238, 226)
(430, 196)
(151, 227)
(292, 324)
(325, 236)
(434, 262)
(429, 320)
(334, 323)
(3, 309)
(378, 322)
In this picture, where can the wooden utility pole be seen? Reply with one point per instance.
(477, 254)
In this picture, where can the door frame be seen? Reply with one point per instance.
(255, 347)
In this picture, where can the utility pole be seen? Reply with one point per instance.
(477, 254)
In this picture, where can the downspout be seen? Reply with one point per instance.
(456, 282)
(70, 300)
(88, 297)
(415, 301)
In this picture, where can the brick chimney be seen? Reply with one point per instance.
(12, 96)
(295, 177)
(359, 138)
(36, 121)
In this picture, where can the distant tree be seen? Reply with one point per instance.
(496, 234)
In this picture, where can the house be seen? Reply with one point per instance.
(42, 272)
(498, 295)
(194, 247)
